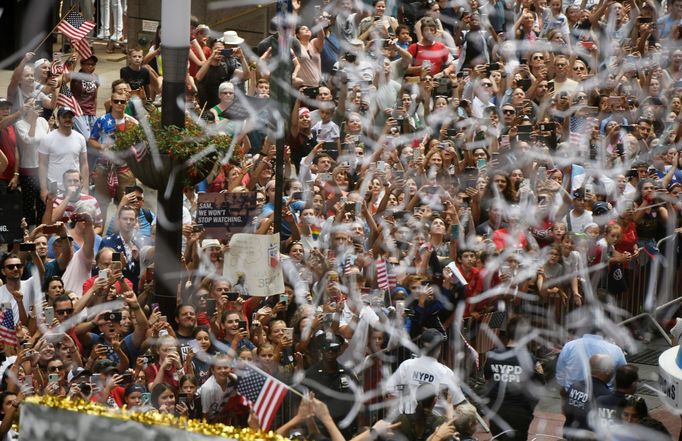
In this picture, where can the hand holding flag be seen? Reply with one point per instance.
(264, 392)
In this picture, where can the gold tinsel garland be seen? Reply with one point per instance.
(155, 418)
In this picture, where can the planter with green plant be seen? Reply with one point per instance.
(185, 154)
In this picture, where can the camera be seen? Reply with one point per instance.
(85, 388)
(113, 316)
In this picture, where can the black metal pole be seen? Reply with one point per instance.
(169, 200)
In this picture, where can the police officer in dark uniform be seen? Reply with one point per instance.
(328, 375)
(580, 397)
(512, 375)
(610, 407)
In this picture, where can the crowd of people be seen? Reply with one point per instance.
(459, 176)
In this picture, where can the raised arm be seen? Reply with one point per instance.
(17, 74)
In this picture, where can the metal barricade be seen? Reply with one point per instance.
(654, 286)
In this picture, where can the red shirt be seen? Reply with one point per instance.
(628, 239)
(501, 238)
(474, 287)
(436, 53)
(8, 145)
(194, 68)
(171, 376)
(91, 281)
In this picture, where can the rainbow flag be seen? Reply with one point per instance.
(315, 231)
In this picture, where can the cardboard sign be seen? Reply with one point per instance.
(256, 257)
(11, 212)
(225, 214)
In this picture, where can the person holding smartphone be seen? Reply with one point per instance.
(127, 242)
(221, 66)
(168, 368)
(74, 199)
(235, 332)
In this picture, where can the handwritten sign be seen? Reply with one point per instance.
(224, 214)
(257, 257)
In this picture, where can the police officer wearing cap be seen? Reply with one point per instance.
(331, 382)
(426, 369)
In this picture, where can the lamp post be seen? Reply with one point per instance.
(282, 97)
(175, 22)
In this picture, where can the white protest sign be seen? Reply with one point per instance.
(257, 257)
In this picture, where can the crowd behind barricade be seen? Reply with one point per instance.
(469, 188)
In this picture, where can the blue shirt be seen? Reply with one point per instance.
(573, 364)
(127, 345)
(105, 126)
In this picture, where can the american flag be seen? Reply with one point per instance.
(75, 27)
(83, 48)
(474, 353)
(8, 332)
(579, 131)
(139, 151)
(348, 264)
(392, 280)
(59, 67)
(382, 274)
(66, 99)
(263, 392)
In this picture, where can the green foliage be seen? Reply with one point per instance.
(179, 143)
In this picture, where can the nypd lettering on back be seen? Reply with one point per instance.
(506, 373)
(577, 398)
(423, 377)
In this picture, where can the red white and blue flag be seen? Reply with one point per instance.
(66, 99)
(8, 332)
(263, 392)
(75, 27)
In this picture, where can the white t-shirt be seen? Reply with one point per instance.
(28, 145)
(327, 131)
(578, 223)
(212, 396)
(417, 371)
(64, 154)
(28, 292)
(77, 272)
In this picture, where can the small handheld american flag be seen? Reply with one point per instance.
(8, 332)
(75, 27)
(264, 392)
(66, 99)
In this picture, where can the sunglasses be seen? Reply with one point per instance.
(64, 311)
(13, 266)
(55, 368)
(509, 112)
(119, 101)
